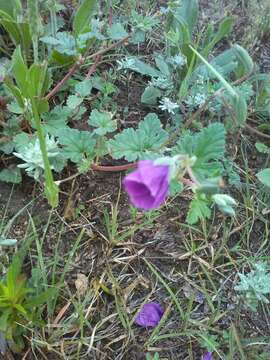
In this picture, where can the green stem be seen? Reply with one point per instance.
(51, 189)
(35, 48)
(53, 17)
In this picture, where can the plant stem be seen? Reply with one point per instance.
(93, 67)
(71, 71)
(51, 189)
(53, 17)
(257, 132)
(114, 168)
(80, 61)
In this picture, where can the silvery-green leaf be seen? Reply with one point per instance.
(264, 176)
(117, 31)
(11, 175)
(7, 242)
(102, 121)
(84, 88)
(150, 95)
(74, 101)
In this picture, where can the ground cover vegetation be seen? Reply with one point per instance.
(135, 177)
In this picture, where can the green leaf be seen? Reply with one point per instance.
(239, 105)
(42, 105)
(37, 77)
(198, 210)
(4, 320)
(83, 16)
(11, 175)
(175, 187)
(84, 88)
(137, 37)
(12, 7)
(244, 59)
(264, 176)
(55, 119)
(15, 91)
(20, 309)
(210, 143)
(133, 144)
(187, 13)
(103, 122)
(207, 145)
(117, 32)
(262, 148)
(63, 43)
(14, 108)
(139, 66)
(77, 145)
(11, 27)
(21, 140)
(74, 101)
(150, 95)
(225, 203)
(162, 65)
(224, 29)
(20, 71)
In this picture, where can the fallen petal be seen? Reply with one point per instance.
(149, 315)
(207, 356)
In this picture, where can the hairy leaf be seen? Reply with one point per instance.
(102, 121)
(74, 101)
(77, 145)
(198, 210)
(264, 176)
(55, 119)
(208, 146)
(84, 88)
(11, 175)
(150, 95)
(210, 143)
(64, 43)
(133, 144)
(117, 31)
(133, 63)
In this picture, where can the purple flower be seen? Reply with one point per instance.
(207, 356)
(147, 186)
(149, 315)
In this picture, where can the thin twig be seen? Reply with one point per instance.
(71, 71)
(114, 168)
(80, 62)
(257, 132)
(93, 67)
(110, 47)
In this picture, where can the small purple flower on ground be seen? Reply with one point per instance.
(207, 356)
(149, 315)
(147, 186)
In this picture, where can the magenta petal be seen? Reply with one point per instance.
(149, 315)
(207, 356)
(153, 176)
(147, 186)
